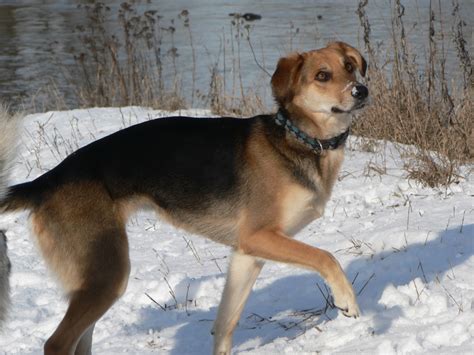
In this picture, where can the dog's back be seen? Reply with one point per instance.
(168, 159)
(174, 163)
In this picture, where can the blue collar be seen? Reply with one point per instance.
(316, 145)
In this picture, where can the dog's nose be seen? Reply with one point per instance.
(360, 92)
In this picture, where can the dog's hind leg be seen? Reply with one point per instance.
(104, 282)
(242, 273)
(81, 233)
(103, 286)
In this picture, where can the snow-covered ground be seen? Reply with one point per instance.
(408, 249)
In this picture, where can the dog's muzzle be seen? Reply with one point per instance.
(358, 92)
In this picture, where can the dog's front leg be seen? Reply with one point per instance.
(242, 273)
(274, 245)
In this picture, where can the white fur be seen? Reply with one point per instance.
(8, 129)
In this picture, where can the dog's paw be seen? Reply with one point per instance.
(350, 311)
(345, 300)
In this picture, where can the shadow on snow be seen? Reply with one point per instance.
(279, 299)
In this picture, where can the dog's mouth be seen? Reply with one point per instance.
(357, 106)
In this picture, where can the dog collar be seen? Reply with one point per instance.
(316, 145)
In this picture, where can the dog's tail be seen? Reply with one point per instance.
(8, 129)
(20, 196)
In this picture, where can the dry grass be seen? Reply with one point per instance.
(125, 68)
(416, 105)
(413, 104)
(226, 94)
(134, 66)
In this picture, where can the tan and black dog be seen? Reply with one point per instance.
(251, 184)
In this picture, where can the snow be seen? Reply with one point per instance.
(409, 250)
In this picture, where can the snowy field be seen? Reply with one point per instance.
(408, 249)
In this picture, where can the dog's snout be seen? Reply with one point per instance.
(360, 92)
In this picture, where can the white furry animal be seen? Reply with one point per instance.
(8, 126)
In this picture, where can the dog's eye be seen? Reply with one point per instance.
(323, 76)
(349, 67)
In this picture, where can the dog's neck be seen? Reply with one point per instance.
(317, 146)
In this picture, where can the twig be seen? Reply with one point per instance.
(191, 246)
(215, 261)
(327, 298)
(408, 215)
(363, 287)
(418, 293)
(355, 278)
(155, 302)
(420, 266)
(452, 271)
(426, 239)
(186, 302)
(261, 318)
(462, 222)
(171, 290)
(460, 308)
(253, 54)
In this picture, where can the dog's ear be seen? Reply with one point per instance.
(352, 53)
(285, 77)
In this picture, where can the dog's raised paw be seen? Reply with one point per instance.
(349, 310)
(346, 302)
(351, 313)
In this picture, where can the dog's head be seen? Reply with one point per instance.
(321, 85)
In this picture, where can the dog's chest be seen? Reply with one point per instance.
(299, 206)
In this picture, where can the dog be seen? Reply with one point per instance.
(250, 184)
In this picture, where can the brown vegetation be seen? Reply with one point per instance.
(412, 104)
(422, 108)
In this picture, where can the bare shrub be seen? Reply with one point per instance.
(125, 68)
(419, 107)
(227, 94)
(412, 103)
